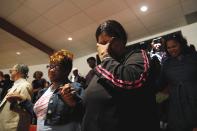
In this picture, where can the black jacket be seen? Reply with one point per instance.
(180, 75)
(120, 97)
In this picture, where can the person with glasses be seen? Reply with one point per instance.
(12, 117)
(119, 97)
(58, 107)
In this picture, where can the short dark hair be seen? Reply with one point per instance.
(39, 73)
(91, 58)
(113, 29)
(7, 76)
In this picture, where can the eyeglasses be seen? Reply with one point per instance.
(56, 67)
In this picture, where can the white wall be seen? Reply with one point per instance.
(32, 69)
(189, 32)
(82, 65)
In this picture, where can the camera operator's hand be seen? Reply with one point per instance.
(102, 50)
(67, 92)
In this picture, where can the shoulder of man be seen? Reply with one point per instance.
(25, 83)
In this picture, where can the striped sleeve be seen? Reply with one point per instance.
(130, 74)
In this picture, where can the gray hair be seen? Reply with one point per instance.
(22, 69)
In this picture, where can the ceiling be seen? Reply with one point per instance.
(53, 21)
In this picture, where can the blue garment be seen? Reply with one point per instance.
(58, 112)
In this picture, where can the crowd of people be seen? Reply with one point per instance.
(126, 89)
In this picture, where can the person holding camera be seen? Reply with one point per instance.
(119, 97)
(58, 107)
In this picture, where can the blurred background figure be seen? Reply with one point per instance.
(1, 84)
(76, 77)
(92, 64)
(7, 84)
(157, 49)
(179, 76)
(37, 84)
(158, 55)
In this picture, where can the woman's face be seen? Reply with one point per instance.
(115, 49)
(173, 48)
(38, 75)
(56, 72)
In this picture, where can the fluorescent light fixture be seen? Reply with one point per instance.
(144, 8)
(70, 38)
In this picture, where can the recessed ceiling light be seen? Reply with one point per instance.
(70, 38)
(18, 53)
(144, 8)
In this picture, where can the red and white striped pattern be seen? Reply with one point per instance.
(126, 84)
(40, 107)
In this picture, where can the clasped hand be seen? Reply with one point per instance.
(102, 50)
(68, 93)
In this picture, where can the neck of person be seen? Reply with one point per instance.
(57, 84)
(17, 77)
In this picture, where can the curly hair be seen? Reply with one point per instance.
(179, 39)
(64, 58)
